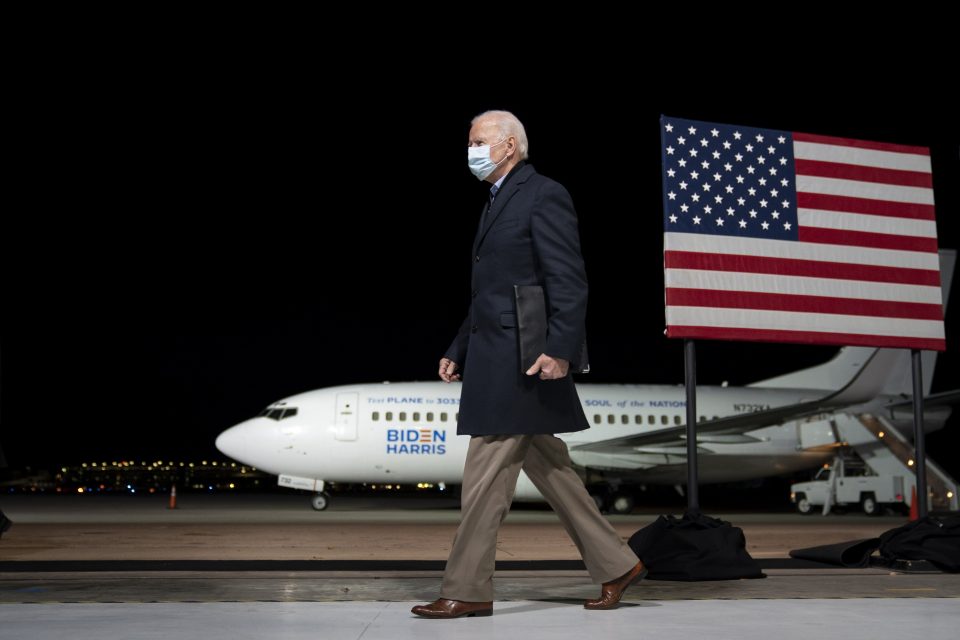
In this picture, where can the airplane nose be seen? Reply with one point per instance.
(233, 442)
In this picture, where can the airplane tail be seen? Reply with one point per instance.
(894, 376)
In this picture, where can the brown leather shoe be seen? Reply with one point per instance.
(612, 591)
(444, 608)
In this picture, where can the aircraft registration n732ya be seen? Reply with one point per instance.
(406, 432)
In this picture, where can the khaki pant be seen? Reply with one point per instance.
(489, 481)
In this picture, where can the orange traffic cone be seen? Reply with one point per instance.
(173, 497)
(914, 507)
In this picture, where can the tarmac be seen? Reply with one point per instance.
(268, 566)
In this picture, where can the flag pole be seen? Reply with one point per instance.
(690, 382)
(919, 445)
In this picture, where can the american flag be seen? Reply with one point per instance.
(791, 237)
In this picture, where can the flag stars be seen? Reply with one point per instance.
(670, 151)
(716, 155)
(785, 204)
(714, 132)
(694, 175)
(668, 127)
(783, 161)
(752, 191)
(730, 211)
(684, 208)
(695, 197)
(705, 164)
(692, 130)
(737, 135)
(753, 213)
(708, 209)
(771, 150)
(762, 182)
(693, 153)
(751, 170)
(718, 198)
(786, 226)
(765, 225)
(728, 167)
(775, 215)
(719, 222)
(749, 148)
(784, 182)
(761, 159)
(673, 218)
(773, 171)
(671, 172)
(728, 188)
(759, 137)
(682, 162)
(738, 157)
(741, 201)
(672, 195)
(703, 142)
(727, 145)
(696, 219)
(706, 186)
(743, 223)
(781, 139)
(739, 179)
(763, 203)
(774, 193)
(683, 185)
(681, 140)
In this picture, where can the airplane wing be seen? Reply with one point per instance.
(933, 400)
(864, 386)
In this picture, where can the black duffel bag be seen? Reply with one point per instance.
(935, 539)
(694, 547)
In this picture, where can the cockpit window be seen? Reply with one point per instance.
(278, 413)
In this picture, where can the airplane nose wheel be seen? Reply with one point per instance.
(320, 501)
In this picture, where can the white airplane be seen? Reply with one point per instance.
(403, 433)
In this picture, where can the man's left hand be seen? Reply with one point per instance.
(549, 368)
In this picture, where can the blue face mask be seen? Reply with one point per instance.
(478, 159)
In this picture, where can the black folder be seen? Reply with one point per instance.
(532, 328)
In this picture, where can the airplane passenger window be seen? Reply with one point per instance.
(443, 417)
(611, 419)
(429, 416)
(651, 420)
(376, 416)
(416, 416)
(403, 416)
(456, 417)
(677, 420)
(664, 420)
(638, 419)
(625, 419)
(389, 415)
(702, 418)
(597, 419)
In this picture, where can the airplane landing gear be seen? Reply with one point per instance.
(622, 503)
(320, 501)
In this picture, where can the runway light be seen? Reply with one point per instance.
(231, 485)
(881, 434)
(910, 463)
(950, 494)
(79, 489)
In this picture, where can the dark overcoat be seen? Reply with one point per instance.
(529, 236)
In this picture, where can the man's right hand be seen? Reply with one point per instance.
(448, 370)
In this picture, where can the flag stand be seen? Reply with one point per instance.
(690, 384)
(919, 437)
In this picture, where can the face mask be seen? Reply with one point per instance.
(478, 159)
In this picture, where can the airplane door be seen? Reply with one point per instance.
(346, 418)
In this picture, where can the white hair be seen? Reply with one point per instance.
(508, 125)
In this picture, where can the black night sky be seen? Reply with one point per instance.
(209, 239)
